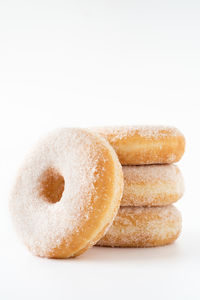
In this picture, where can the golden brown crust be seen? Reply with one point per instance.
(141, 145)
(104, 210)
(152, 185)
(143, 227)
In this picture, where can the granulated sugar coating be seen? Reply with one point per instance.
(67, 193)
(152, 185)
(138, 145)
(143, 227)
(143, 131)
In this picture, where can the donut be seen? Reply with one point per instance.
(145, 145)
(143, 227)
(151, 185)
(67, 193)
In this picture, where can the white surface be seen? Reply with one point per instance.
(89, 63)
(169, 272)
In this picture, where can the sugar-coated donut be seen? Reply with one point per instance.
(151, 185)
(67, 193)
(143, 227)
(144, 145)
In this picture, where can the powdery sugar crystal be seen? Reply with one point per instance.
(43, 225)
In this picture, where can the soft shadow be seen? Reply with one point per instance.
(104, 254)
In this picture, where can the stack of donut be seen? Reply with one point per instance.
(152, 182)
(75, 182)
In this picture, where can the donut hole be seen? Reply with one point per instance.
(52, 185)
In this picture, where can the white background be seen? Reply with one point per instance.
(83, 63)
